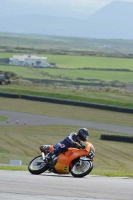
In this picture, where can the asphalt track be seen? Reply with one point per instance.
(15, 185)
(32, 119)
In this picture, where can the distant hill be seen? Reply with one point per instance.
(112, 21)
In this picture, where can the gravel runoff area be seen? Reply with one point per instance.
(20, 119)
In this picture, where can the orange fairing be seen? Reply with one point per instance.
(64, 160)
(89, 146)
(61, 168)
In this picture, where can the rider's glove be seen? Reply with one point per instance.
(77, 144)
(83, 146)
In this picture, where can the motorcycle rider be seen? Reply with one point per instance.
(72, 140)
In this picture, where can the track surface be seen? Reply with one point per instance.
(32, 119)
(15, 185)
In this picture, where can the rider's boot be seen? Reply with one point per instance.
(50, 155)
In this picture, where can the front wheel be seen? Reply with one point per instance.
(80, 170)
(37, 165)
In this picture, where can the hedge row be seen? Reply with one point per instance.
(117, 138)
(68, 102)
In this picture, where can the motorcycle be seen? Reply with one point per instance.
(75, 161)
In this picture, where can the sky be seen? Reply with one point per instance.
(81, 8)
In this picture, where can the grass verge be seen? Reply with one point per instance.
(3, 118)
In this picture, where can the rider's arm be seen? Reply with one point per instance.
(70, 138)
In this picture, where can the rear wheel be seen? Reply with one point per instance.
(80, 170)
(37, 165)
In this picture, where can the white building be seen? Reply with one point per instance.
(29, 60)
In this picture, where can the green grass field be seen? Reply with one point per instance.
(22, 142)
(82, 61)
(103, 87)
(89, 74)
(106, 96)
(91, 61)
(66, 74)
(65, 43)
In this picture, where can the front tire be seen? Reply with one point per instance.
(37, 165)
(82, 170)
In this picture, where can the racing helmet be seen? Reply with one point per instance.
(83, 134)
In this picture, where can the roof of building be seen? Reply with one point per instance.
(27, 57)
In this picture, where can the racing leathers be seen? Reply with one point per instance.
(72, 140)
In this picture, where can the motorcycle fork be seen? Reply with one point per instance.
(80, 162)
(43, 155)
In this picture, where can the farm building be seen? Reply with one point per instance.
(29, 60)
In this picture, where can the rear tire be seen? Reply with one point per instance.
(37, 165)
(82, 170)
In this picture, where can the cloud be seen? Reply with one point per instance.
(80, 4)
(69, 2)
